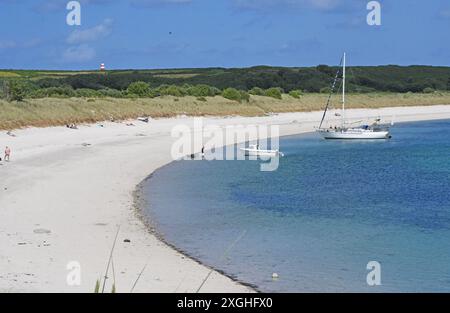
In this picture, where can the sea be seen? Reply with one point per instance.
(336, 216)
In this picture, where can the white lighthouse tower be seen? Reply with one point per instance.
(102, 67)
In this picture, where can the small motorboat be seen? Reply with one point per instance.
(253, 150)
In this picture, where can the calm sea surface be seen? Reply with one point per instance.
(330, 208)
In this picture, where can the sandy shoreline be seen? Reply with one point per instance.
(66, 191)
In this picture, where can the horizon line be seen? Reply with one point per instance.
(212, 67)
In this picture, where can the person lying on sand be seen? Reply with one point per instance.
(7, 153)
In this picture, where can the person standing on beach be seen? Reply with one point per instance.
(7, 153)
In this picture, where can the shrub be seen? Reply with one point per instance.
(231, 94)
(16, 90)
(256, 91)
(154, 92)
(273, 93)
(428, 90)
(215, 91)
(140, 89)
(40, 93)
(58, 92)
(200, 91)
(171, 90)
(86, 92)
(295, 94)
(65, 91)
(110, 92)
(245, 96)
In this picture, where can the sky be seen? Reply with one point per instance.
(142, 34)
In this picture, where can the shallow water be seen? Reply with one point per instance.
(330, 208)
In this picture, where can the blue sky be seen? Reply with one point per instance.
(221, 33)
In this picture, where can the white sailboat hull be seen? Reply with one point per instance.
(354, 134)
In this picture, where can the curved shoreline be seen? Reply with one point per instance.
(140, 203)
(65, 192)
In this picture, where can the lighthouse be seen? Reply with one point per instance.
(102, 67)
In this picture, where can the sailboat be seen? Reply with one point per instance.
(374, 131)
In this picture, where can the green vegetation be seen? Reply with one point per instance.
(140, 89)
(231, 94)
(42, 98)
(361, 79)
(295, 94)
(256, 91)
(15, 90)
(273, 93)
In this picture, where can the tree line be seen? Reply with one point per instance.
(236, 84)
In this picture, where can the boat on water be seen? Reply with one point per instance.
(254, 150)
(345, 130)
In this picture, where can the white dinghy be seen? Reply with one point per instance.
(253, 150)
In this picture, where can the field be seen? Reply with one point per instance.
(59, 111)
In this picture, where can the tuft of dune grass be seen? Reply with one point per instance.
(60, 111)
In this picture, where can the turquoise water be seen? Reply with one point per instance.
(330, 208)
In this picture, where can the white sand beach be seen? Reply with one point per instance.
(65, 192)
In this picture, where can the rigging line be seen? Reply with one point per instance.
(331, 93)
(337, 91)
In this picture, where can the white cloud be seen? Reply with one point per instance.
(78, 54)
(90, 34)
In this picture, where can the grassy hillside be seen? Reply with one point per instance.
(60, 111)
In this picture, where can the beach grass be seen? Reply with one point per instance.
(60, 111)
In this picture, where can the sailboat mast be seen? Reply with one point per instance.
(343, 92)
